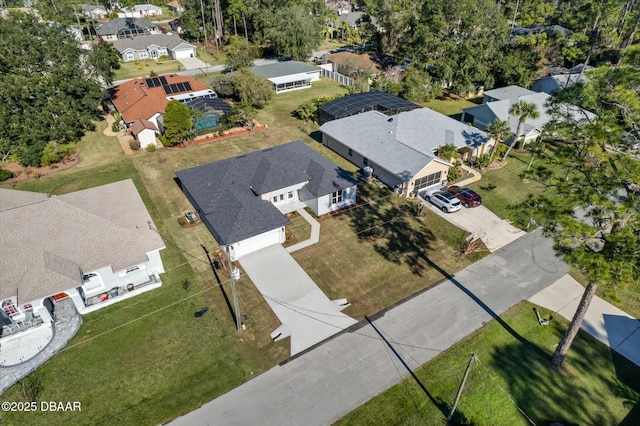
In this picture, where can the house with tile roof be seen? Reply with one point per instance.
(122, 28)
(497, 103)
(401, 149)
(154, 46)
(146, 98)
(145, 132)
(288, 75)
(243, 200)
(96, 246)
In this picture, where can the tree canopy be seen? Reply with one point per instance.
(49, 88)
(178, 123)
(592, 205)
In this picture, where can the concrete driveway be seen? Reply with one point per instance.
(324, 384)
(306, 314)
(192, 63)
(482, 223)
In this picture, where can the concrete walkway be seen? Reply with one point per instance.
(612, 326)
(306, 314)
(476, 176)
(66, 324)
(315, 232)
(326, 383)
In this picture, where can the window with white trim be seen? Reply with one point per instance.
(336, 197)
(365, 161)
(350, 152)
(132, 269)
(290, 195)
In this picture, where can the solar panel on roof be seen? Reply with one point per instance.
(149, 82)
(167, 89)
(187, 86)
(163, 80)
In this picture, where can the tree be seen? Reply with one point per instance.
(499, 131)
(592, 207)
(49, 89)
(242, 114)
(240, 53)
(177, 122)
(252, 88)
(524, 110)
(292, 32)
(448, 152)
(102, 63)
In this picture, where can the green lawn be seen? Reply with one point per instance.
(449, 107)
(147, 359)
(144, 68)
(598, 387)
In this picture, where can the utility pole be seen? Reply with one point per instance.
(234, 294)
(459, 393)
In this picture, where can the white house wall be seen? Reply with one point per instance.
(284, 192)
(324, 202)
(146, 138)
(255, 243)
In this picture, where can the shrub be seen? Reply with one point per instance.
(164, 58)
(5, 174)
(134, 144)
(115, 127)
(483, 161)
(182, 221)
(151, 148)
(54, 152)
(152, 73)
(453, 174)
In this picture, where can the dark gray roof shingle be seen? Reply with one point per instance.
(227, 193)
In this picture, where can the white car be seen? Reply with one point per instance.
(445, 201)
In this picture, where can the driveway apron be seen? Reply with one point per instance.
(306, 314)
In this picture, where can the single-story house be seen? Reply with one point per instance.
(401, 149)
(497, 103)
(357, 103)
(243, 200)
(175, 6)
(144, 131)
(140, 10)
(146, 98)
(122, 28)
(154, 46)
(94, 12)
(288, 75)
(348, 63)
(96, 246)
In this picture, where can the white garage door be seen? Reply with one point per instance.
(181, 54)
(256, 243)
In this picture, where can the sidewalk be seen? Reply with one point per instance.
(613, 327)
(315, 232)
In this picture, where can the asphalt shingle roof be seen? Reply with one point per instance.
(45, 244)
(144, 41)
(116, 25)
(227, 193)
(281, 69)
(404, 143)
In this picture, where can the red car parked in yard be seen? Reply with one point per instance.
(467, 197)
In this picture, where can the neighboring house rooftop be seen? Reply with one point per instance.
(46, 242)
(361, 102)
(511, 93)
(365, 61)
(404, 143)
(281, 69)
(144, 41)
(141, 98)
(140, 125)
(88, 9)
(227, 192)
(125, 25)
(557, 82)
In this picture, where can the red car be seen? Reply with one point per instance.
(467, 197)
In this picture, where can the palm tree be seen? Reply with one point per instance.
(524, 110)
(498, 130)
(448, 152)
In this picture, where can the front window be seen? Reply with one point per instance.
(350, 152)
(290, 195)
(336, 197)
(365, 161)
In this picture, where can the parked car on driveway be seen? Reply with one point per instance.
(468, 197)
(445, 201)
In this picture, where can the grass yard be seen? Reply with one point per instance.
(299, 229)
(598, 388)
(144, 68)
(449, 107)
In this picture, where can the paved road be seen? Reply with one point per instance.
(329, 381)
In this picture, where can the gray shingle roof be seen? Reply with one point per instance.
(283, 68)
(402, 144)
(556, 82)
(116, 25)
(144, 41)
(512, 93)
(227, 193)
(44, 245)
